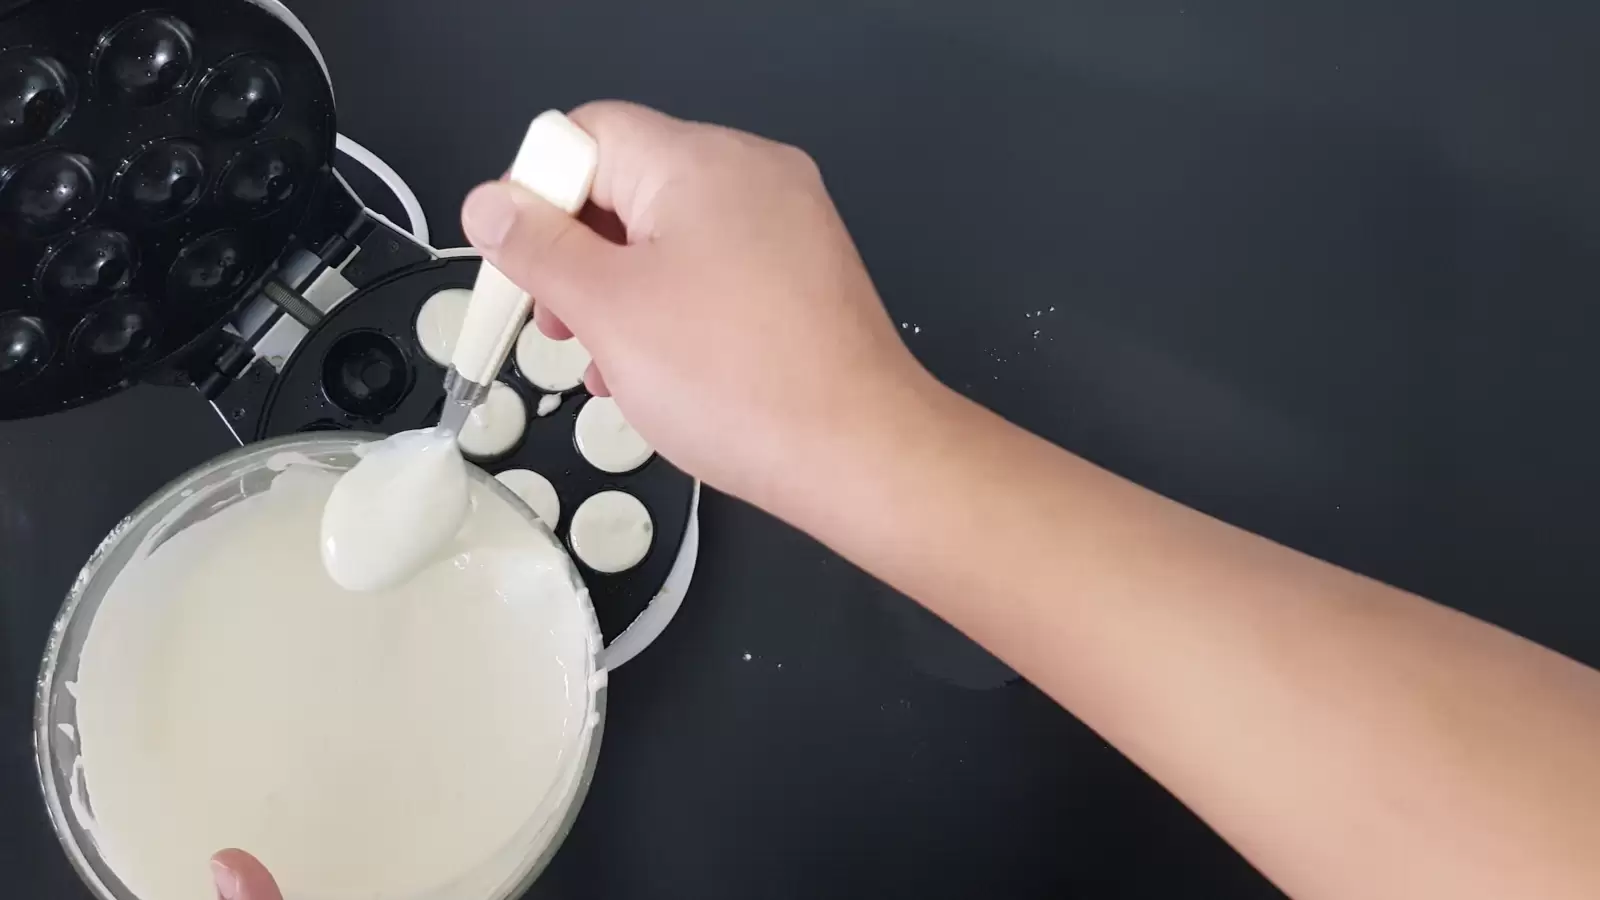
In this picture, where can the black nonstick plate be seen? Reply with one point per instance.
(154, 163)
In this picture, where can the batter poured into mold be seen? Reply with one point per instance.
(230, 694)
(536, 491)
(439, 323)
(612, 532)
(496, 425)
(550, 364)
(607, 441)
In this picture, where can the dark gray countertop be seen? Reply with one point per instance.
(1328, 272)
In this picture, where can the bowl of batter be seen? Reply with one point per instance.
(208, 686)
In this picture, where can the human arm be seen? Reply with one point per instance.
(1350, 739)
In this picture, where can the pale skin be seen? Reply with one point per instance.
(1353, 741)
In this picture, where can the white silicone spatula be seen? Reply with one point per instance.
(557, 161)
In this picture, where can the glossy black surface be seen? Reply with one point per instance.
(114, 333)
(147, 58)
(36, 96)
(48, 193)
(212, 268)
(89, 267)
(1325, 270)
(364, 374)
(261, 179)
(240, 97)
(24, 347)
(164, 180)
(162, 124)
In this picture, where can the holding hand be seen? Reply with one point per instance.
(729, 312)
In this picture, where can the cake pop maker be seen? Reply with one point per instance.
(171, 212)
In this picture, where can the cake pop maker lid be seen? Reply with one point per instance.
(155, 165)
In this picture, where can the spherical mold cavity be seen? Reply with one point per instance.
(48, 194)
(241, 97)
(115, 334)
(25, 348)
(163, 181)
(37, 94)
(146, 59)
(322, 425)
(262, 179)
(87, 268)
(365, 374)
(211, 269)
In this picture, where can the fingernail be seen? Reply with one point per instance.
(488, 215)
(227, 881)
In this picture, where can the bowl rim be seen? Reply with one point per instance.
(576, 782)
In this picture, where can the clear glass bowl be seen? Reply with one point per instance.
(192, 498)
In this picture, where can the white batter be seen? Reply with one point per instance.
(397, 745)
(606, 439)
(439, 323)
(548, 404)
(395, 512)
(536, 491)
(550, 364)
(496, 425)
(611, 532)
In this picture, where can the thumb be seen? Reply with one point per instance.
(557, 259)
(240, 876)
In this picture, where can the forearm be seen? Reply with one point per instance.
(1350, 739)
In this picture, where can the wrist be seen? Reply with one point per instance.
(880, 435)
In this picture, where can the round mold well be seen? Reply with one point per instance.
(262, 179)
(25, 347)
(365, 374)
(48, 194)
(115, 334)
(89, 267)
(211, 269)
(163, 181)
(240, 97)
(146, 59)
(37, 95)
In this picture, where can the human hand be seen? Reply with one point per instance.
(729, 312)
(240, 876)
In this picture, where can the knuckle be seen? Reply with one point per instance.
(796, 158)
(711, 146)
(800, 162)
